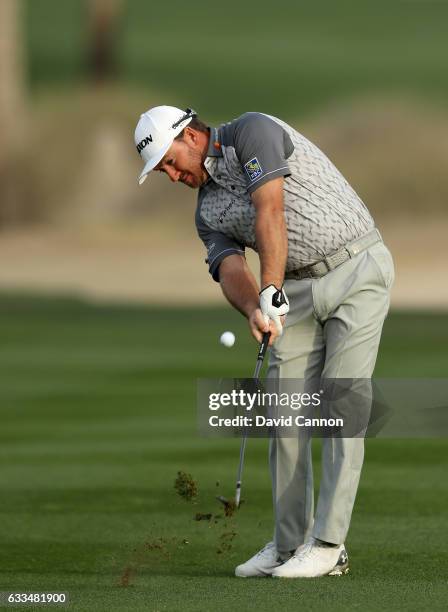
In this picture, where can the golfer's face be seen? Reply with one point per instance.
(183, 163)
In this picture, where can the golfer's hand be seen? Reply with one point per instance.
(259, 326)
(274, 305)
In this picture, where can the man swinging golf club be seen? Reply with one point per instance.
(322, 263)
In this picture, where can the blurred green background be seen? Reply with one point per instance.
(365, 81)
(108, 317)
(293, 58)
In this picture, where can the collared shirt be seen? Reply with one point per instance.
(322, 211)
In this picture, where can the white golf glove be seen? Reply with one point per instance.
(273, 305)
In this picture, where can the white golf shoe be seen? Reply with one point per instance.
(261, 564)
(314, 559)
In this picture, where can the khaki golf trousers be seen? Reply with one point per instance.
(332, 330)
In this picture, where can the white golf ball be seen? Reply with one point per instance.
(227, 338)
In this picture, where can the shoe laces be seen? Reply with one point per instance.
(304, 550)
(267, 548)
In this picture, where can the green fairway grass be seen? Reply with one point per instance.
(98, 413)
(284, 57)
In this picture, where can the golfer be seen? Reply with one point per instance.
(325, 279)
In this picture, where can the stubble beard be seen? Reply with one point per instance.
(199, 174)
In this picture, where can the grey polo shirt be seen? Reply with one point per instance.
(322, 211)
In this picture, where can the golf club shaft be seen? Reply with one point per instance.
(260, 358)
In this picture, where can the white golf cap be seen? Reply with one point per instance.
(155, 132)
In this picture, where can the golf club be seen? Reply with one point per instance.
(260, 358)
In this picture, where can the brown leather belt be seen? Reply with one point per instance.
(329, 263)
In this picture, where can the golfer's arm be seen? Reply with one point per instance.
(238, 284)
(270, 232)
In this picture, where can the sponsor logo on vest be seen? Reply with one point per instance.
(142, 144)
(225, 211)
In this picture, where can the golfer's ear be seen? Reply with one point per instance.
(190, 135)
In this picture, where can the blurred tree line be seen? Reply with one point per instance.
(102, 17)
(13, 115)
(74, 75)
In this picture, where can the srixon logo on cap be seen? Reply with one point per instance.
(142, 144)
